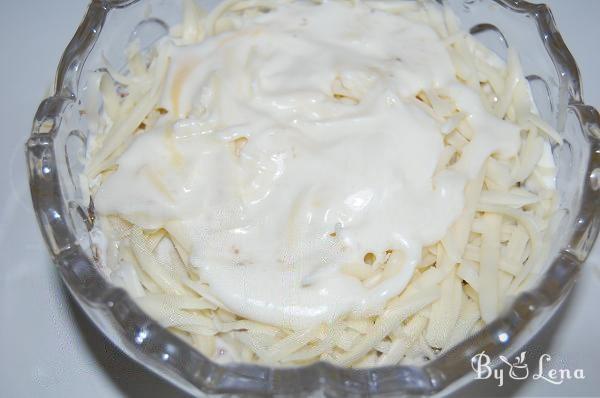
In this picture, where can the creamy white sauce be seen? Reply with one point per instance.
(319, 181)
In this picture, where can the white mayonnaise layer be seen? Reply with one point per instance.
(292, 147)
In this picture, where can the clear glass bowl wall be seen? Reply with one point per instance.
(56, 152)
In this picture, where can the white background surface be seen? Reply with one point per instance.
(48, 348)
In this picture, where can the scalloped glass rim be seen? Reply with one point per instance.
(114, 312)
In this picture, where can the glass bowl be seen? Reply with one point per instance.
(55, 154)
